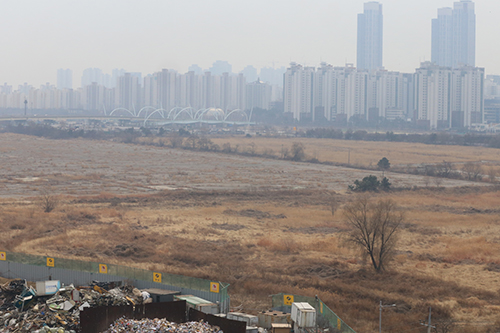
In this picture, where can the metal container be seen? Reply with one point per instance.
(162, 295)
(247, 318)
(198, 303)
(281, 328)
(267, 318)
(47, 287)
(304, 315)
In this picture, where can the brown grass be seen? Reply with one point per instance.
(368, 153)
(449, 249)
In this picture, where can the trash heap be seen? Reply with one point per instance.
(123, 325)
(22, 310)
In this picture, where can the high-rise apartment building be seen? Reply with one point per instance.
(64, 79)
(464, 28)
(219, 67)
(442, 38)
(91, 75)
(446, 97)
(454, 35)
(128, 92)
(298, 91)
(250, 73)
(370, 37)
(258, 95)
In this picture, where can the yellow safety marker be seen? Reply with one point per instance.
(50, 262)
(287, 299)
(214, 287)
(157, 277)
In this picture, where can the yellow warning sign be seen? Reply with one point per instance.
(103, 269)
(287, 299)
(50, 262)
(157, 277)
(339, 324)
(3, 256)
(214, 287)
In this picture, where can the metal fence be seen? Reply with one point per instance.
(36, 268)
(326, 317)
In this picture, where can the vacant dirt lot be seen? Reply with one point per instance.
(77, 167)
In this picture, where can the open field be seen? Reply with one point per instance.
(264, 243)
(367, 153)
(228, 225)
(28, 164)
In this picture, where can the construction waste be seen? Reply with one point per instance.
(23, 310)
(160, 326)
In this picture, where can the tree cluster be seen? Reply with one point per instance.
(370, 184)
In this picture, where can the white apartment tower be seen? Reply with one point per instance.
(442, 38)
(454, 35)
(446, 97)
(370, 37)
(298, 91)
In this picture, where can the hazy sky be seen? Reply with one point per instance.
(38, 37)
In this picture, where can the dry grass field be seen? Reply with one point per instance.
(367, 153)
(262, 239)
(76, 167)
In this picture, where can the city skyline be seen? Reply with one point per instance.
(112, 34)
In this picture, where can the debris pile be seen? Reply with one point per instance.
(22, 310)
(123, 325)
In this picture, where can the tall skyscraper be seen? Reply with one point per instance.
(442, 38)
(454, 35)
(370, 37)
(464, 30)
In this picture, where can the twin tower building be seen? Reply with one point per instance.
(453, 36)
(444, 93)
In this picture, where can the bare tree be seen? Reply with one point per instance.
(438, 181)
(427, 181)
(176, 140)
(445, 169)
(492, 174)
(298, 152)
(48, 201)
(192, 141)
(334, 204)
(373, 228)
(446, 325)
(472, 170)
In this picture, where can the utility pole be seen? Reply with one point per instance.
(429, 326)
(380, 315)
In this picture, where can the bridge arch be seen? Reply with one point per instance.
(145, 109)
(240, 111)
(122, 109)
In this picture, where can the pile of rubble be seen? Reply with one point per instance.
(22, 310)
(160, 326)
